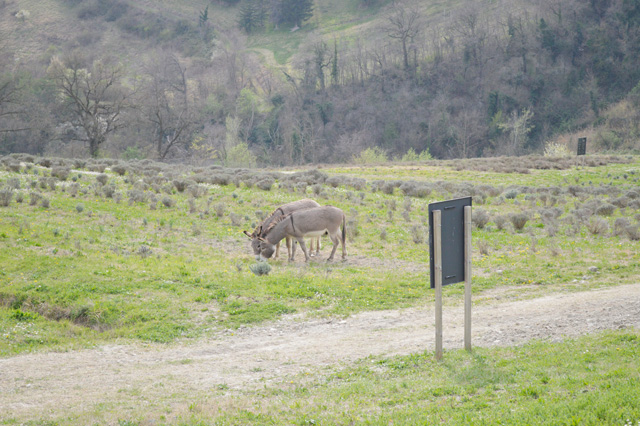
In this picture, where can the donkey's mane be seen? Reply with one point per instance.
(275, 222)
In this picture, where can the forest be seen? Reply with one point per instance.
(290, 82)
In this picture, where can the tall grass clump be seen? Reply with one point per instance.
(6, 194)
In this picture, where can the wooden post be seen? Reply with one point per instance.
(467, 278)
(437, 258)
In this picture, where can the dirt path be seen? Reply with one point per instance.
(57, 383)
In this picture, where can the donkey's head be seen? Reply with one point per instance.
(265, 249)
(255, 243)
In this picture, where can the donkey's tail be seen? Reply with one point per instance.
(344, 234)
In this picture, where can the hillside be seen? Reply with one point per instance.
(243, 83)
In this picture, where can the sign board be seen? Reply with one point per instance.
(582, 146)
(453, 244)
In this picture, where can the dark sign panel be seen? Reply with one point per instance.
(452, 231)
(582, 146)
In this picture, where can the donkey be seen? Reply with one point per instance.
(306, 223)
(273, 217)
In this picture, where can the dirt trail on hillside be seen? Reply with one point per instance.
(51, 384)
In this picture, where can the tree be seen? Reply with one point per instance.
(252, 16)
(94, 98)
(167, 105)
(294, 12)
(403, 25)
(518, 127)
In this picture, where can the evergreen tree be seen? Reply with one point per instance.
(294, 12)
(252, 16)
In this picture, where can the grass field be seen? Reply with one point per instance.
(588, 381)
(97, 252)
(102, 256)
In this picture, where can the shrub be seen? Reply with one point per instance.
(620, 226)
(633, 232)
(265, 184)
(480, 218)
(34, 198)
(144, 251)
(371, 156)
(598, 226)
(260, 268)
(501, 221)
(109, 190)
(196, 190)
(519, 220)
(61, 173)
(6, 194)
(605, 210)
(102, 178)
(236, 219)
(136, 196)
(220, 209)
(556, 149)
(79, 208)
(511, 194)
(180, 185)
(120, 170)
(411, 155)
(418, 233)
(168, 202)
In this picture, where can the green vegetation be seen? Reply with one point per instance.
(587, 381)
(153, 252)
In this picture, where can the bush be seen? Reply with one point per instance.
(555, 149)
(265, 184)
(598, 226)
(168, 202)
(480, 218)
(119, 169)
(260, 268)
(6, 194)
(61, 173)
(606, 210)
(511, 194)
(220, 209)
(371, 156)
(102, 178)
(519, 220)
(411, 155)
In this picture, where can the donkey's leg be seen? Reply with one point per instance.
(311, 253)
(336, 241)
(318, 245)
(277, 250)
(303, 246)
(291, 248)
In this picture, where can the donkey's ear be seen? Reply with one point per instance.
(262, 239)
(248, 234)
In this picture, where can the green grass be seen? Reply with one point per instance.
(590, 380)
(120, 270)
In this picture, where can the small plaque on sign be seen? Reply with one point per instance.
(452, 234)
(582, 146)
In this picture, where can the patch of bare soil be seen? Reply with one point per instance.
(51, 384)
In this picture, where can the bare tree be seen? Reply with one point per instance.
(403, 25)
(167, 105)
(94, 98)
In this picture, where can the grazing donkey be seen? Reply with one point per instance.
(274, 217)
(312, 222)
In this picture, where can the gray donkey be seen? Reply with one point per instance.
(312, 222)
(274, 217)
